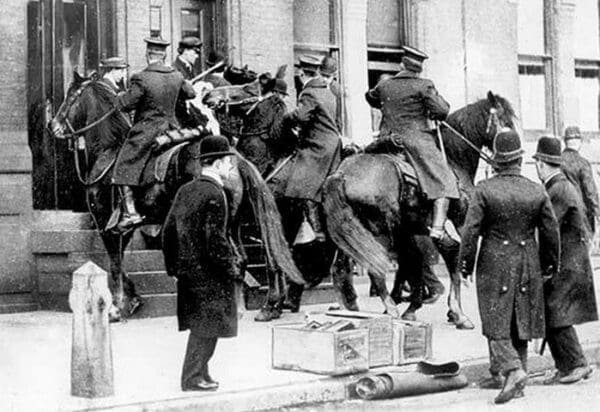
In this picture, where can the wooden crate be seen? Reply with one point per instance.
(380, 333)
(411, 341)
(294, 347)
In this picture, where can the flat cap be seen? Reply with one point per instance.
(413, 53)
(114, 63)
(156, 42)
(310, 62)
(190, 42)
(572, 132)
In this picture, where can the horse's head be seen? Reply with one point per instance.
(69, 108)
(238, 76)
(232, 96)
(500, 115)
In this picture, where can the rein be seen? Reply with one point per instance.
(481, 153)
(95, 123)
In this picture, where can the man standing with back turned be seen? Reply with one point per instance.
(505, 212)
(570, 298)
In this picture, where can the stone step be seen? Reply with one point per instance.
(155, 282)
(133, 260)
(61, 220)
(74, 240)
(157, 304)
(17, 302)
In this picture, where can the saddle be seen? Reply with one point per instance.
(403, 167)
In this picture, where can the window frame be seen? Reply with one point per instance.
(150, 21)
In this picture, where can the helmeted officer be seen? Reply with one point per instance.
(579, 171)
(152, 94)
(189, 51)
(570, 297)
(505, 211)
(408, 103)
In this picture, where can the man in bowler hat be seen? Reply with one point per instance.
(570, 298)
(189, 51)
(505, 211)
(579, 171)
(199, 253)
(152, 94)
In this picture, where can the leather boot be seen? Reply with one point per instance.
(131, 218)
(314, 218)
(294, 296)
(438, 232)
(513, 386)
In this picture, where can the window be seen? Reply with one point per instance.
(155, 21)
(316, 32)
(587, 63)
(535, 66)
(191, 23)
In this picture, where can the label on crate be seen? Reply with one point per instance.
(350, 350)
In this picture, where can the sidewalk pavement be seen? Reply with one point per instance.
(35, 350)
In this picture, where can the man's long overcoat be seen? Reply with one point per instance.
(570, 295)
(407, 102)
(579, 171)
(153, 95)
(505, 211)
(199, 253)
(319, 147)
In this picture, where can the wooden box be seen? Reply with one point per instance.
(380, 333)
(295, 347)
(411, 341)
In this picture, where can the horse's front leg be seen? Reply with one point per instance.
(381, 290)
(341, 275)
(455, 311)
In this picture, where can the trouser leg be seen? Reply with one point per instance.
(195, 364)
(565, 348)
(504, 356)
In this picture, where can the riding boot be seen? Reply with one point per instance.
(438, 231)
(131, 217)
(314, 218)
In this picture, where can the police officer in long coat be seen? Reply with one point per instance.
(319, 146)
(199, 253)
(408, 103)
(570, 295)
(505, 212)
(579, 171)
(153, 94)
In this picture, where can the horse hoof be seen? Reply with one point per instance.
(464, 324)
(452, 317)
(267, 315)
(410, 316)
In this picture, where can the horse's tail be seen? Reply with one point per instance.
(266, 213)
(348, 232)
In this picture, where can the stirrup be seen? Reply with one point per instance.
(129, 222)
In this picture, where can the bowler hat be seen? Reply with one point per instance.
(114, 63)
(156, 43)
(190, 42)
(328, 66)
(309, 62)
(507, 147)
(548, 150)
(572, 132)
(280, 86)
(215, 146)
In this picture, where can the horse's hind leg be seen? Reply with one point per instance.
(381, 289)
(410, 268)
(341, 275)
(455, 311)
(275, 296)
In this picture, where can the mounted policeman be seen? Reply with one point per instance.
(408, 104)
(153, 94)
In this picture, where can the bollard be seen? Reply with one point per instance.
(91, 354)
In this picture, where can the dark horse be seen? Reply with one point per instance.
(86, 104)
(372, 213)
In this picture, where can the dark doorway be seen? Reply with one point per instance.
(63, 36)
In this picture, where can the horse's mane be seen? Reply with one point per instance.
(110, 133)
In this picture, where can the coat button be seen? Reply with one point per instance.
(523, 289)
(504, 288)
(522, 243)
(505, 242)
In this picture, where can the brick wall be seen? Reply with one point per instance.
(13, 76)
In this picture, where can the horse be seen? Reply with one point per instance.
(372, 211)
(87, 116)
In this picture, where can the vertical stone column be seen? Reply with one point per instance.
(560, 37)
(354, 69)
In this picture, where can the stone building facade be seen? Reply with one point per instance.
(538, 63)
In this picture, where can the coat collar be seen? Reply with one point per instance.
(405, 74)
(159, 67)
(509, 171)
(316, 82)
(554, 179)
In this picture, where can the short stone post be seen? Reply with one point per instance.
(91, 354)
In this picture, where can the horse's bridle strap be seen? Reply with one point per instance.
(95, 123)
(483, 156)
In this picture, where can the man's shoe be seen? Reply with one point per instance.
(267, 314)
(293, 307)
(577, 374)
(554, 378)
(493, 382)
(515, 382)
(129, 222)
(209, 379)
(201, 385)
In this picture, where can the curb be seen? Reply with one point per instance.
(321, 390)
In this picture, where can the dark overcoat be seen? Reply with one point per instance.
(199, 253)
(153, 95)
(259, 137)
(570, 294)
(188, 71)
(319, 145)
(579, 171)
(407, 102)
(336, 89)
(505, 212)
